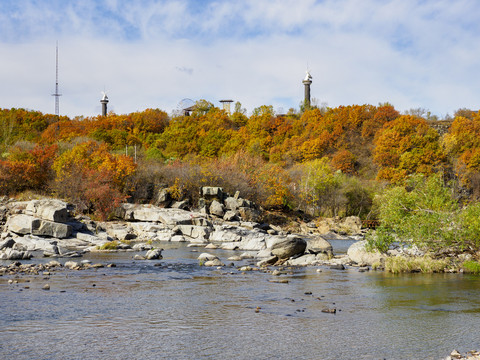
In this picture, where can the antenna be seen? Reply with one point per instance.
(57, 95)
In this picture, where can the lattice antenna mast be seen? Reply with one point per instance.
(57, 95)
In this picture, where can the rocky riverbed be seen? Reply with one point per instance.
(50, 228)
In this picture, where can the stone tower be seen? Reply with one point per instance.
(104, 102)
(307, 82)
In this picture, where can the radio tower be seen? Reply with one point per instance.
(57, 95)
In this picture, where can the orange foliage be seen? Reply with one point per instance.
(344, 161)
(27, 170)
(404, 146)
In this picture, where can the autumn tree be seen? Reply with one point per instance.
(93, 178)
(404, 146)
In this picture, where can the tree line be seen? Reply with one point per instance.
(319, 162)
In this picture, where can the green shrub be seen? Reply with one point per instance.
(471, 267)
(111, 245)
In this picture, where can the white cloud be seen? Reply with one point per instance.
(155, 53)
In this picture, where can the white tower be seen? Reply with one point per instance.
(104, 102)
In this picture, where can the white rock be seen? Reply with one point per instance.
(49, 209)
(357, 253)
(207, 257)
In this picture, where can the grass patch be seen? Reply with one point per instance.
(471, 267)
(111, 245)
(424, 264)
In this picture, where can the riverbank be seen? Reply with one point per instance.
(49, 228)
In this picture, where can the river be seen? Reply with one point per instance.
(180, 310)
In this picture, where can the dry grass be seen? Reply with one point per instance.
(425, 264)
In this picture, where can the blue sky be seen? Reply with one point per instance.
(153, 53)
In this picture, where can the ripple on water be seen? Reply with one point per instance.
(180, 310)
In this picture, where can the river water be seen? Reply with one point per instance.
(180, 310)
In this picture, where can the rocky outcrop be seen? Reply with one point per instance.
(29, 229)
(27, 224)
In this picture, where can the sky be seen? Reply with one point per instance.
(156, 53)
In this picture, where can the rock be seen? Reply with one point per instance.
(49, 209)
(304, 260)
(12, 254)
(46, 287)
(178, 238)
(53, 263)
(20, 224)
(71, 264)
(337, 267)
(255, 240)
(217, 209)
(319, 245)
(138, 257)
(194, 231)
(229, 246)
(142, 247)
(357, 253)
(211, 246)
(49, 228)
(231, 204)
(206, 257)
(226, 233)
(455, 354)
(235, 258)
(119, 231)
(230, 216)
(249, 214)
(164, 198)
(265, 253)
(268, 261)
(286, 247)
(154, 254)
(34, 243)
(279, 281)
(210, 193)
(7, 243)
(184, 205)
(214, 262)
(329, 311)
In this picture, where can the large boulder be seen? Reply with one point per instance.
(52, 229)
(194, 232)
(358, 253)
(318, 244)
(27, 224)
(50, 209)
(207, 257)
(210, 193)
(217, 208)
(170, 217)
(286, 247)
(249, 214)
(164, 198)
(20, 224)
(154, 254)
(33, 243)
